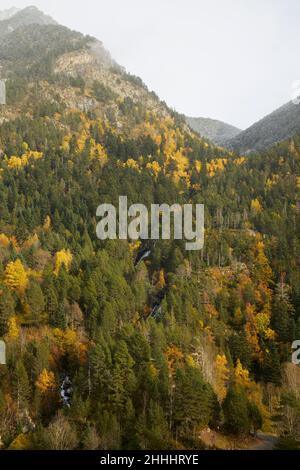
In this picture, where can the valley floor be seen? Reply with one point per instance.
(264, 442)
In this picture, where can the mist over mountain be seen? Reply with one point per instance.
(12, 19)
(6, 14)
(32, 40)
(216, 131)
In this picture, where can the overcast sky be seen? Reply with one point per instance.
(233, 60)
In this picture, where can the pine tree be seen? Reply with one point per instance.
(51, 303)
(60, 320)
(282, 314)
(236, 411)
(271, 366)
(35, 301)
(7, 306)
(255, 416)
(195, 400)
(123, 378)
(100, 363)
(21, 385)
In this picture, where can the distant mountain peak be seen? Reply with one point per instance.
(33, 14)
(12, 19)
(31, 7)
(6, 14)
(216, 131)
(276, 127)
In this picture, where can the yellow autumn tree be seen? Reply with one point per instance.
(253, 390)
(15, 162)
(70, 344)
(63, 258)
(21, 442)
(239, 161)
(221, 376)
(256, 206)
(252, 332)
(15, 276)
(174, 356)
(31, 241)
(262, 270)
(133, 164)
(161, 280)
(154, 167)
(4, 240)
(66, 144)
(46, 381)
(47, 223)
(97, 151)
(241, 375)
(21, 162)
(262, 321)
(214, 166)
(198, 166)
(13, 328)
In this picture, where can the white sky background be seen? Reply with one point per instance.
(233, 60)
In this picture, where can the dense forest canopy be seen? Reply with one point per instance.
(113, 352)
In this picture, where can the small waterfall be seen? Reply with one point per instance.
(66, 391)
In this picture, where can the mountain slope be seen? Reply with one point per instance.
(134, 344)
(276, 127)
(217, 132)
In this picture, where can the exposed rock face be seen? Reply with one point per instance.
(74, 63)
(100, 67)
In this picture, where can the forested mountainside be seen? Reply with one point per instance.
(106, 350)
(280, 125)
(217, 132)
